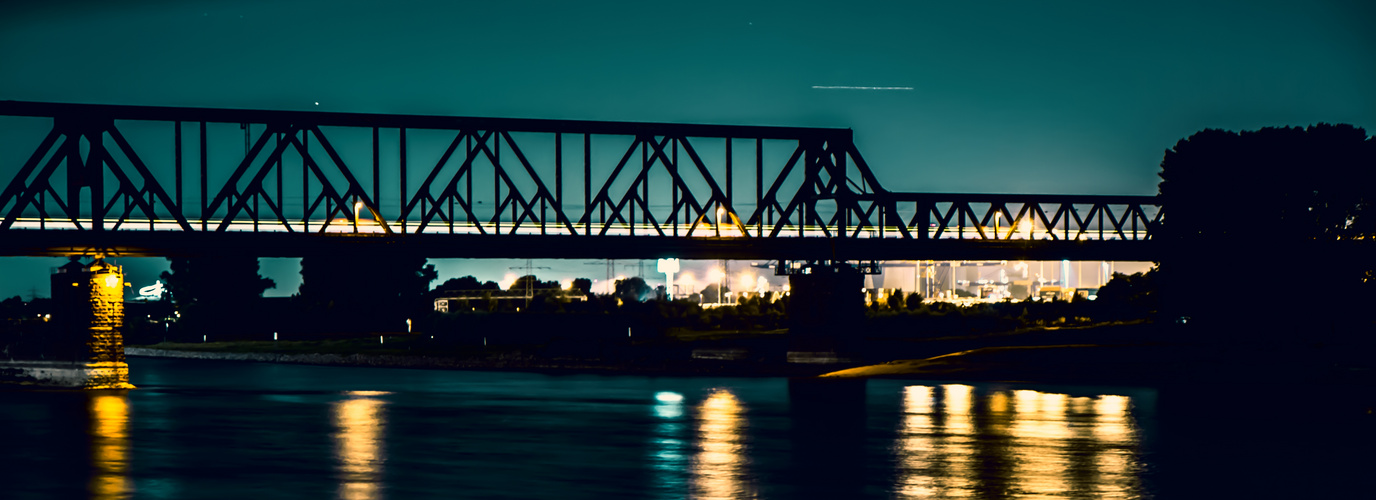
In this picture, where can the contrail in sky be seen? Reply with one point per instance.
(847, 87)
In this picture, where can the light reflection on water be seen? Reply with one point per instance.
(719, 468)
(917, 444)
(667, 456)
(1041, 442)
(1052, 445)
(110, 444)
(1116, 460)
(305, 432)
(359, 421)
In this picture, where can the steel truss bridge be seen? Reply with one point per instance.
(137, 180)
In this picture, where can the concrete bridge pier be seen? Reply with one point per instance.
(83, 344)
(826, 309)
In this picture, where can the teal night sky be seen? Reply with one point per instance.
(994, 96)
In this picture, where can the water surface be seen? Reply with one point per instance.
(197, 429)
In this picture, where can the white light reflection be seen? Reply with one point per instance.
(110, 445)
(719, 468)
(359, 422)
(667, 455)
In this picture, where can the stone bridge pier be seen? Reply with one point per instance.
(82, 346)
(826, 309)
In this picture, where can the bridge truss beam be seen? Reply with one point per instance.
(146, 180)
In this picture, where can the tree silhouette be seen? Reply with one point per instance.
(914, 301)
(583, 285)
(711, 293)
(895, 301)
(465, 283)
(212, 293)
(1244, 206)
(531, 283)
(1128, 296)
(633, 289)
(358, 293)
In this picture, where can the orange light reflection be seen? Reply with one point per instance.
(1117, 439)
(916, 477)
(110, 444)
(1041, 437)
(359, 423)
(719, 468)
(958, 446)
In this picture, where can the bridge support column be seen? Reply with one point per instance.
(825, 310)
(84, 344)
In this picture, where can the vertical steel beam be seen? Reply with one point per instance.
(759, 185)
(305, 188)
(842, 191)
(729, 205)
(76, 174)
(468, 158)
(95, 176)
(558, 174)
(673, 190)
(377, 171)
(177, 165)
(587, 184)
(204, 169)
(497, 183)
(402, 178)
(281, 200)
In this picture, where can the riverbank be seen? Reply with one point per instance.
(501, 363)
(1118, 354)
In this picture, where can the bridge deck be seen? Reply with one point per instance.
(282, 244)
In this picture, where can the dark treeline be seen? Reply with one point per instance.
(1124, 298)
(1270, 233)
(540, 314)
(220, 299)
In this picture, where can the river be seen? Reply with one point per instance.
(207, 429)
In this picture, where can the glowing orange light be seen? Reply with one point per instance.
(110, 439)
(719, 467)
(358, 445)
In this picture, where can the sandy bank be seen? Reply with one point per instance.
(1141, 364)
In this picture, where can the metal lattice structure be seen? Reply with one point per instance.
(155, 180)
